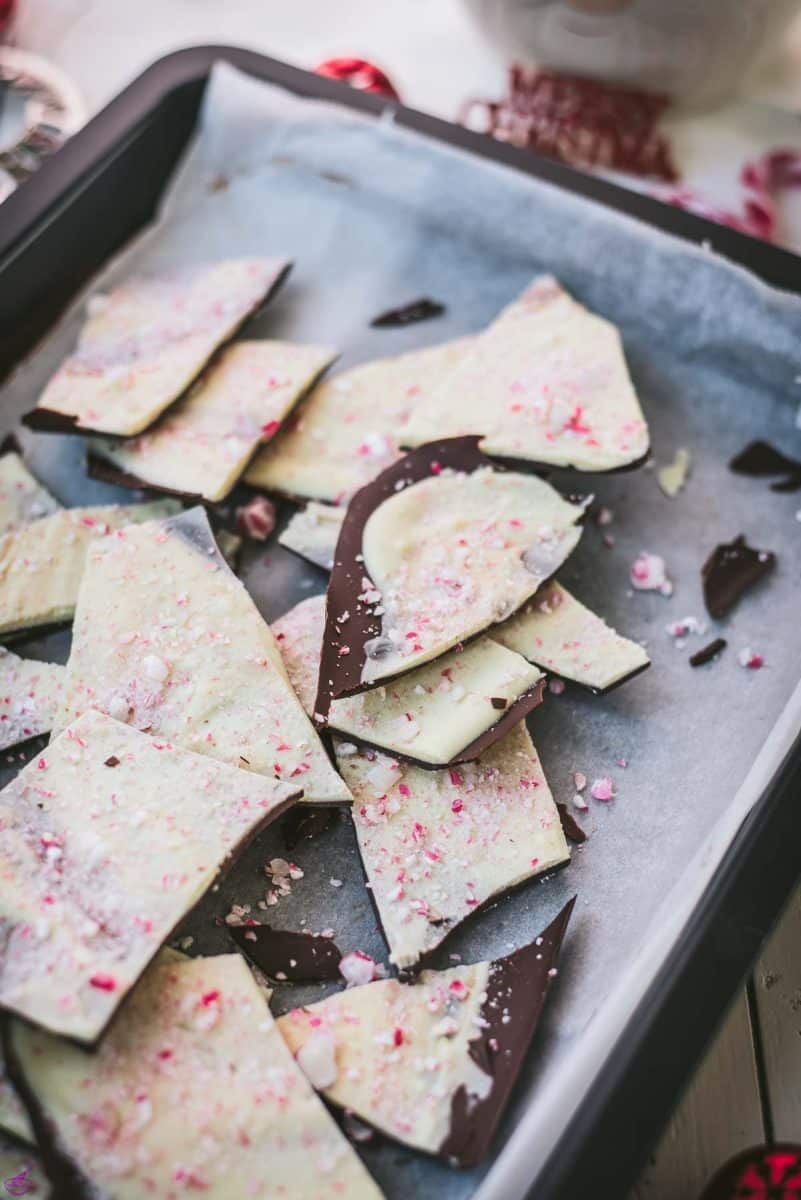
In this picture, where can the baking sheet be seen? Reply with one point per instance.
(375, 216)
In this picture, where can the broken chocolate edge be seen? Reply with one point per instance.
(726, 582)
(316, 958)
(49, 420)
(518, 987)
(413, 313)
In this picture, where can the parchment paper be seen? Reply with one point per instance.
(373, 217)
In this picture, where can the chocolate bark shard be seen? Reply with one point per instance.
(97, 870)
(30, 694)
(731, 569)
(289, 956)
(167, 638)
(470, 1028)
(559, 634)
(410, 314)
(192, 1089)
(762, 459)
(545, 383)
(346, 432)
(438, 844)
(146, 341)
(41, 565)
(313, 533)
(22, 498)
(445, 712)
(439, 548)
(573, 831)
(203, 444)
(708, 652)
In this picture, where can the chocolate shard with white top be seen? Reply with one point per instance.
(558, 633)
(448, 711)
(431, 1064)
(193, 1090)
(439, 548)
(547, 384)
(30, 694)
(202, 445)
(168, 639)
(145, 342)
(347, 431)
(313, 533)
(436, 845)
(13, 1116)
(22, 497)
(41, 565)
(107, 840)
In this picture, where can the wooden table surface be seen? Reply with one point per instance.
(102, 44)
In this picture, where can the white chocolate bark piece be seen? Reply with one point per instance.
(106, 841)
(22, 498)
(168, 639)
(145, 342)
(313, 533)
(557, 632)
(13, 1117)
(203, 444)
(30, 694)
(455, 554)
(546, 382)
(41, 565)
(193, 1090)
(21, 1173)
(348, 429)
(438, 844)
(430, 715)
(432, 1064)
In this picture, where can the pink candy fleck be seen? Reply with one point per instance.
(357, 968)
(602, 789)
(256, 519)
(103, 982)
(749, 659)
(648, 574)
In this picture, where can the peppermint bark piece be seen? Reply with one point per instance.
(431, 1064)
(558, 633)
(98, 868)
(347, 431)
(313, 533)
(441, 547)
(22, 498)
(146, 341)
(445, 712)
(168, 639)
(546, 383)
(41, 565)
(192, 1090)
(30, 694)
(13, 1117)
(203, 444)
(436, 845)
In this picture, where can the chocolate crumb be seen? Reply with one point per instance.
(731, 569)
(573, 831)
(423, 309)
(498, 702)
(113, 761)
(707, 653)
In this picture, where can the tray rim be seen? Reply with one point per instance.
(601, 1143)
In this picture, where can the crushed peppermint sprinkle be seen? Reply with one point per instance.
(686, 626)
(556, 686)
(257, 518)
(749, 659)
(103, 982)
(580, 803)
(579, 781)
(358, 968)
(605, 517)
(603, 789)
(648, 574)
(317, 1059)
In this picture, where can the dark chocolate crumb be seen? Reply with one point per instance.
(573, 831)
(731, 569)
(707, 653)
(761, 459)
(112, 762)
(419, 310)
(498, 702)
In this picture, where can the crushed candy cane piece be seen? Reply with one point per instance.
(579, 781)
(556, 686)
(317, 1060)
(749, 659)
(257, 518)
(580, 803)
(648, 574)
(603, 789)
(358, 968)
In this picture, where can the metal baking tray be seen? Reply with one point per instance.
(81, 208)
